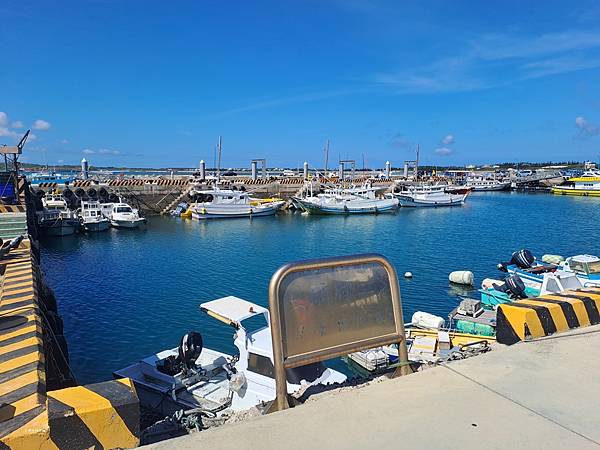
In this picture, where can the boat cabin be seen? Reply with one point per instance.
(588, 265)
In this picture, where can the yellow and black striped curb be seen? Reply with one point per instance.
(22, 370)
(12, 209)
(100, 416)
(103, 415)
(546, 315)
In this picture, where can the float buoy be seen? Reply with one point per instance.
(407, 274)
(461, 277)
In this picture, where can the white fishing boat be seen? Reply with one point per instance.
(122, 215)
(352, 200)
(56, 219)
(226, 203)
(432, 198)
(92, 218)
(195, 378)
(480, 184)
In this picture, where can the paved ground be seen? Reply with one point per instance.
(542, 394)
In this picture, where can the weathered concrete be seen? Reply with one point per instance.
(539, 394)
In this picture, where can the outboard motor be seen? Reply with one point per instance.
(523, 259)
(513, 286)
(190, 349)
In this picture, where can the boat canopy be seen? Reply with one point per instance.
(232, 310)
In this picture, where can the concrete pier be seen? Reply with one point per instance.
(537, 394)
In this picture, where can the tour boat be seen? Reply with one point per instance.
(587, 185)
(92, 218)
(195, 378)
(226, 203)
(56, 219)
(353, 200)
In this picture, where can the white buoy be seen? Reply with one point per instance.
(461, 277)
(425, 320)
(407, 274)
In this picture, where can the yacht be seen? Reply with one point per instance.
(226, 203)
(91, 216)
(352, 200)
(56, 219)
(124, 216)
(191, 376)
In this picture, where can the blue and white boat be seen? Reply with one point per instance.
(228, 204)
(48, 177)
(524, 264)
(342, 201)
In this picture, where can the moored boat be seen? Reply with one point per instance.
(56, 219)
(486, 184)
(434, 198)
(91, 217)
(586, 185)
(343, 201)
(192, 377)
(225, 204)
(124, 216)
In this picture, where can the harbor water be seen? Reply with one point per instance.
(125, 294)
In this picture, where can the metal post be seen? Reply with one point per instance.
(341, 173)
(305, 170)
(253, 168)
(388, 169)
(202, 170)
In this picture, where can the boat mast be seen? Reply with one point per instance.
(326, 149)
(219, 160)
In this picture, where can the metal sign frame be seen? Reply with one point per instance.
(282, 362)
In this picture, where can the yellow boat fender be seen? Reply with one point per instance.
(203, 210)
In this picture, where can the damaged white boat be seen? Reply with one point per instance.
(191, 377)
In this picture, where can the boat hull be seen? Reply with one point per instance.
(558, 190)
(211, 211)
(381, 206)
(498, 187)
(94, 227)
(431, 200)
(130, 224)
(59, 228)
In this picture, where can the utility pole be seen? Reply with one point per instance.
(326, 155)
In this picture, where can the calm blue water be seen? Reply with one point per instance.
(125, 294)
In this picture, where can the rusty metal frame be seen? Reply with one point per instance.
(279, 359)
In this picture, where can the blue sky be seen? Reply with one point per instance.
(154, 83)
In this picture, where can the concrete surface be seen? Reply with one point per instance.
(541, 394)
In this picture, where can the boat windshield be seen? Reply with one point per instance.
(594, 267)
(123, 209)
(264, 366)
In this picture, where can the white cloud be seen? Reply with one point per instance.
(64, 141)
(88, 151)
(443, 151)
(586, 129)
(5, 132)
(107, 151)
(41, 125)
(493, 60)
(448, 139)
(60, 161)
(17, 124)
(3, 118)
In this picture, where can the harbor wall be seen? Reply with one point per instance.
(41, 407)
